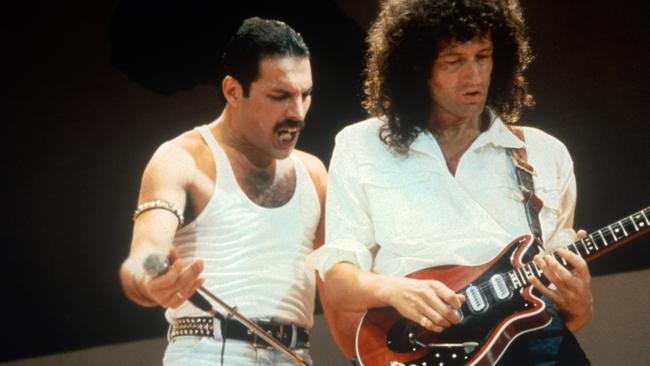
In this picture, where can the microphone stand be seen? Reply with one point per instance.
(253, 327)
(156, 264)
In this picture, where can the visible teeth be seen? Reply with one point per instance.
(286, 136)
(288, 133)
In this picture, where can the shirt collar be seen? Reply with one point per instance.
(497, 134)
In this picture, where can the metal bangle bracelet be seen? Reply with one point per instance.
(160, 204)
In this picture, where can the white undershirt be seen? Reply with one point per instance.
(254, 256)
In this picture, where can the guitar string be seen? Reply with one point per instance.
(485, 287)
(580, 244)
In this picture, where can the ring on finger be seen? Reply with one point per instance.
(424, 321)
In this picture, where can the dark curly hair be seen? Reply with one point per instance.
(404, 41)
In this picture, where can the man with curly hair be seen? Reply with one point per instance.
(429, 180)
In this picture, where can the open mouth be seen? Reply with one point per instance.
(474, 93)
(473, 96)
(288, 134)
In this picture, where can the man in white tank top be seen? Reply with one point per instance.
(251, 205)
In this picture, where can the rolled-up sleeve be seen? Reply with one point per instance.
(349, 234)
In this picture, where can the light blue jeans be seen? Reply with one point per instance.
(206, 351)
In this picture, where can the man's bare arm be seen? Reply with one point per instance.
(167, 177)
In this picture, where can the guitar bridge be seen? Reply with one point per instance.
(468, 347)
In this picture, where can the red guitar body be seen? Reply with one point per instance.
(383, 334)
(500, 305)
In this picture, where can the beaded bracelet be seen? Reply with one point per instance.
(151, 205)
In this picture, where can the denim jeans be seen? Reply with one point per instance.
(553, 345)
(206, 351)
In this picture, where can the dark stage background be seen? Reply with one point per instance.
(93, 88)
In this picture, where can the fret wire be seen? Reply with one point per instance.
(516, 273)
(646, 217)
(524, 280)
(589, 242)
(576, 249)
(611, 231)
(622, 223)
(642, 223)
(530, 272)
(634, 223)
(585, 246)
(524, 271)
(537, 270)
(513, 278)
(572, 248)
(639, 220)
(515, 284)
(602, 236)
(594, 243)
(594, 238)
(521, 279)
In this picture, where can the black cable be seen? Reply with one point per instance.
(224, 333)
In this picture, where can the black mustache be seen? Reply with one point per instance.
(288, 123)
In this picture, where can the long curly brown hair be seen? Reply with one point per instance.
(405, 40)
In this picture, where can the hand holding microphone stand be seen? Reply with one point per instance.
(156, 264)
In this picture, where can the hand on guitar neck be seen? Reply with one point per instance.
(571, 287)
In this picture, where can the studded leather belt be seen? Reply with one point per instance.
(290, 335)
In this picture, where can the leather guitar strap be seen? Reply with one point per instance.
(525, 172)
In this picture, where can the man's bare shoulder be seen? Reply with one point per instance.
(178, 150)
(177, 158)
(313, 164)
(315, 167)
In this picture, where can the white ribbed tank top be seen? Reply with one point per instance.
(254, 256)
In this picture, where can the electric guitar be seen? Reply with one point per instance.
(500, 305)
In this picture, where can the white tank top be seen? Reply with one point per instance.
(254, 256)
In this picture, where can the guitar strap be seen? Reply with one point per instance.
(525, 172)
(554, 342)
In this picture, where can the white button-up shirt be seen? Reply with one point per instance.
(395, 214)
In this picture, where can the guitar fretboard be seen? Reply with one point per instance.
(589, 247)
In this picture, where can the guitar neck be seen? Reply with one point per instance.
(592, 246)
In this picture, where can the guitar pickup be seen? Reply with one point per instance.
(499, 288)
(475, 300)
